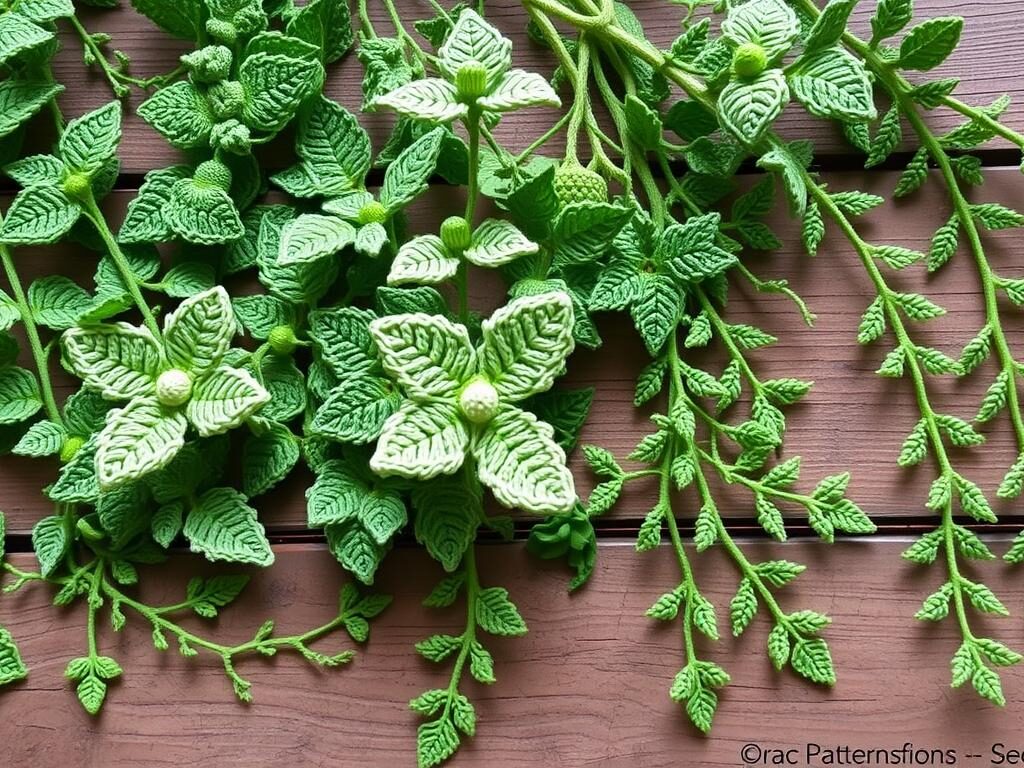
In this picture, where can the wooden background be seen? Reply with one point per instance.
(588, 685)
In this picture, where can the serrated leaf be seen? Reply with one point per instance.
(748, 108)
(929, 43)
(222, 526)
(495, 613)
(831, 83)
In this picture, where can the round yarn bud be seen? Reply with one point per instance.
(471, 81)
(372, 213)
(208, 65)
(213, 173)
(749, 60)
(576, 184)
(173, 387)
(282, 340)
(478, 400)
(456, 234)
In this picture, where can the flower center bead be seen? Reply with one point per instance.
(471, 80)
(372, 213)
(478, 401)
(455, 234)
(749, 60)
(173, 387)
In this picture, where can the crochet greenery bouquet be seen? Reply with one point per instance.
(352, 346)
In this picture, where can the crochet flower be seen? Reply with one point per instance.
(828, 80)
(476, 62)
(169, 383)
(461, 398)
(432, 259)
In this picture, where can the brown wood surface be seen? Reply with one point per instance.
(587, 685)
(986, 61)
(852, 420)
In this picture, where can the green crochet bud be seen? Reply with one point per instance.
(222, 30)
(282, 340)
(231, 136)
(208, 65)
(70, 447)
(249, 20)
(213, 173)
(471, 81)
(372, 212)
(173, 387)
(456, 234)
(226, 99)
(749, 60)
(76, 186)
(478, 400)
(576, 184)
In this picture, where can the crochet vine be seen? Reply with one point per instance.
(354, 348)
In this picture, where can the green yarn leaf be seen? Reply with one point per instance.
(118, 361)
(137, 439)
(525, 343)
(520, 462)
(222, 526)
(39, 215)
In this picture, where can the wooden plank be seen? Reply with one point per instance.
(587, 685)
(851, 420)
(984, 62)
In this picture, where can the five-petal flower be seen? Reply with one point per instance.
(460, 398)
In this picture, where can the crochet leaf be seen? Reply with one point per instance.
(11, 666)
(137, 439)
(406, 178)
(223, 400)
(423, 260)
(428, 355)
(199, 331)
(521, 463)
(421, 441)
(334, 149)
(119, 361)
(91, 140)
(223, 526)
(181, 114)
(748, 108)
(20, 99)
(497, 242)
(275, 86)
(526, 343)
(311, 237)
(518, 89)
(355, 412)
(430, 99)
(833, 84)
(19, 395)
(473, 39)
(768, 23)
(39, 215)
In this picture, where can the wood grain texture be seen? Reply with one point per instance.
(985, 61)
(851, 420)
(587, 686)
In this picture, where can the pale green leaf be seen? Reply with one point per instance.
(119, 361)
(137, 439)
(421, 442)
(223, 399)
